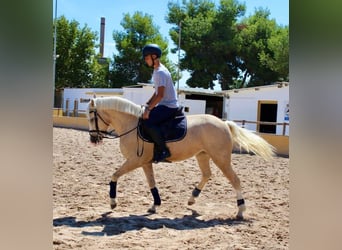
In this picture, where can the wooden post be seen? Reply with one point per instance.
(75, 108)
(284, 128)
(67, 107)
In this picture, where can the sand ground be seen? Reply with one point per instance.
(82, 218)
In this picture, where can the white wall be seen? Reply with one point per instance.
(141, 95)
(138, 95)
(243, 105)
(193, 106)
(73, 94)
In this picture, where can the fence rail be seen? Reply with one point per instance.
(81, 113)
(69, 112)
(284, 124)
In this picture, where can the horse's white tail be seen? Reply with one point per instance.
(251, 142)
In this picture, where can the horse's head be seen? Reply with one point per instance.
(98, 126)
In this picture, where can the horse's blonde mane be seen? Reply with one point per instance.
(118, 104)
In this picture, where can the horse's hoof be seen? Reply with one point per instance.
(239, 217)
(152, 210)
(191, 203)
(112, 203)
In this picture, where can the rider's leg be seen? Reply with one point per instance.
(161, 151)
(158, 115)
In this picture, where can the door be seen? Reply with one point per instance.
(267, 113)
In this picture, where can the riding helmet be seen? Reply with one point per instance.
(152, 49)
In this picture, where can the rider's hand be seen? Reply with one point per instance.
(146, 113)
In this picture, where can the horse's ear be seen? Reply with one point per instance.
(92, 104)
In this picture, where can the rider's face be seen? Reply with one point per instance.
(148, 60)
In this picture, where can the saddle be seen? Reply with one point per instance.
(173, 129)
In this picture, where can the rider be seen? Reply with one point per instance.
(163, 103)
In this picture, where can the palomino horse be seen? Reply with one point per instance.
(207, 138)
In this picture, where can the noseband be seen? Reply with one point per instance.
(99, 134)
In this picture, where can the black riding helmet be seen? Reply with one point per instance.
(151, 49)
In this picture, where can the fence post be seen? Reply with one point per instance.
(284, 128)
(67, 107)
(75, 108)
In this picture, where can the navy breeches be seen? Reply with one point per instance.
(158, 115)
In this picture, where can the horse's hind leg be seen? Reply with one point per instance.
(224, 163)
(203, 162)
(148, 170)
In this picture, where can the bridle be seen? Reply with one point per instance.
(99, 134)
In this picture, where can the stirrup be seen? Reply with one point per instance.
(162, 156)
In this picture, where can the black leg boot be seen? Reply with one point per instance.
(161, 152)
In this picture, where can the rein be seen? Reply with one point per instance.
(105, 134)
(98, 132)
(109, 135)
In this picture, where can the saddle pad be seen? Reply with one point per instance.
(173, 130)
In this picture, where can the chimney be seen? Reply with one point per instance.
(102, 33)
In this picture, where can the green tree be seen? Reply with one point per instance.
(219, 47)
(100, 72)
(263, 49)
(76, 62)
(128, 65)
(207, 35)
(278, 61)
(225, 58)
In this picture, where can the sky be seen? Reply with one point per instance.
(90, 12)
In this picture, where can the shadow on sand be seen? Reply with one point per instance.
(115, 226)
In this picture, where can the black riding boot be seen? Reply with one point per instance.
(161, 152)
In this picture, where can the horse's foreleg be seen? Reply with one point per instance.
(112, 194)
(148, 170)
(203, 162)
(125, 168)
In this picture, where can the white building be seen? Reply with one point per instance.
(142, 93)
(249, 106)
(79, 97)
(268, 103)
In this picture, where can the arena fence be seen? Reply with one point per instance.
(283, 124)
(78, 120)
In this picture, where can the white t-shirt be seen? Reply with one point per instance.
(162, 77)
